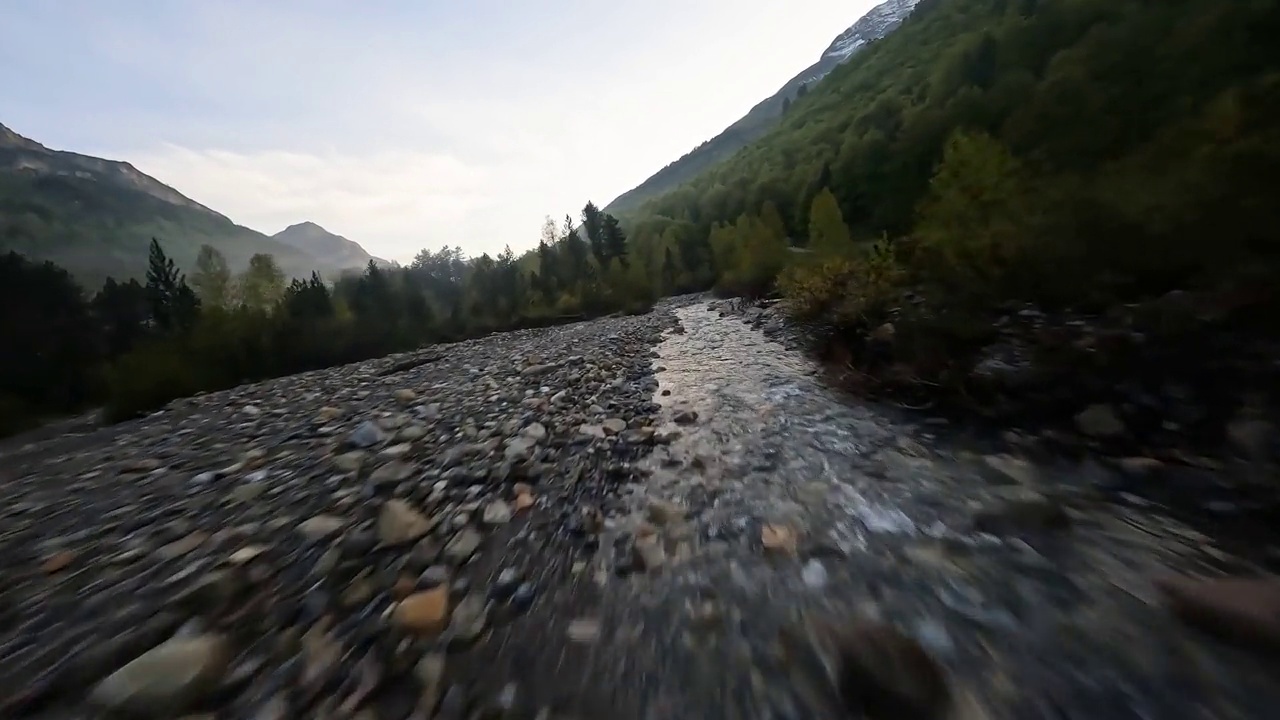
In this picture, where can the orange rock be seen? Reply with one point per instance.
(424, 613)
(58, 562)
(523, 501)
(779, 538)
(403, 588)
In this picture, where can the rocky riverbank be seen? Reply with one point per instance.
(665, 515)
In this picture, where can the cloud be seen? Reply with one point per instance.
(392, 202)
(400, 124)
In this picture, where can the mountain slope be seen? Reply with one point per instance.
(877, 23)
(1137, 143)
(328, 248)
(96, 217)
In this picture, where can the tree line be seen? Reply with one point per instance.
(132, 346)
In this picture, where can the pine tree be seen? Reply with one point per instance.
(593, 226)
(615, 241)
(173, 304)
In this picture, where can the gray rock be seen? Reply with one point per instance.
(430, 675)
(648, 554)
(463, 546)
(535, 431)
(367, 435)
(351, 461)
(1100, 421)
(400, 524)
(321, 526)
(685, 417)
(469, 620)
(168, 680)
(536, 370)
(391, 473)
(613, 426)
(497, 512)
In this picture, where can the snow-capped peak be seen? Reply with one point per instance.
(877, 23)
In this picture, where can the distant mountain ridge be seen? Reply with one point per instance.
(877, 23)
(96, 217)
(326, 246)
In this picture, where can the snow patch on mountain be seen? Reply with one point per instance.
(878, 22)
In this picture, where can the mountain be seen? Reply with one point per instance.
(877, 23)
(328, 248)
(96, 217)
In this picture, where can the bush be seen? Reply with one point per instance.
(146, 379)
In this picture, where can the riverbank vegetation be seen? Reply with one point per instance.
(1080, 157)
(134, 346)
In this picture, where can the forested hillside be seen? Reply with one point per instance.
(1080, 156)
(1046, 150)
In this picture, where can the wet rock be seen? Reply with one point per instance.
(399, 523)
(1240, 610)
(685, 417)
(886, 675)
(423, 613)
(666, 436)
(1014, 509)
(1100, 421)
(168, 680)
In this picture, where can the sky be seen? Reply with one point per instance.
(400, 124)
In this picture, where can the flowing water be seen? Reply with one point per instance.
(1038, 623)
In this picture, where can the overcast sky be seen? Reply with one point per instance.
(400, 124)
